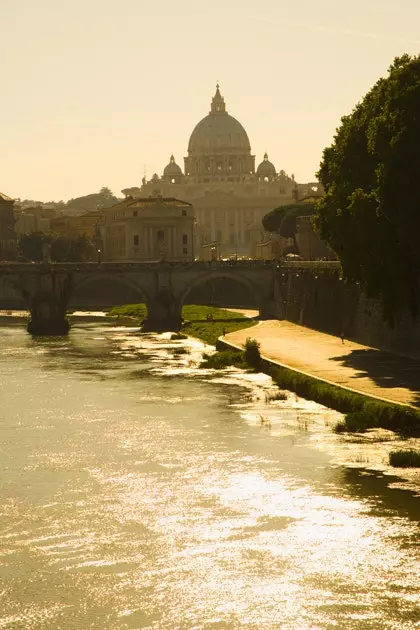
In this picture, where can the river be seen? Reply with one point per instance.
(138, 491)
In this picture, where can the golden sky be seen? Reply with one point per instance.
(94, 92)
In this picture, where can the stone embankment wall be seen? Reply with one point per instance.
(319, 299)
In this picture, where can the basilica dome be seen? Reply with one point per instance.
(218, 133)
(172, 169)
(266, 168)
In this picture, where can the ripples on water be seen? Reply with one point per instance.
(141, 492)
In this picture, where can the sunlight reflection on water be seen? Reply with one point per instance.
(142, 492)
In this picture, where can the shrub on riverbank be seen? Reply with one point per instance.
(405, 458)
(252, 354)
(223, 359)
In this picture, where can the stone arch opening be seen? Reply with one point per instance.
(222, 290)
(100, 291)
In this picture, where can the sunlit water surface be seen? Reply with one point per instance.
(141, 492)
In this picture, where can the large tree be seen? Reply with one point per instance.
(370, 213)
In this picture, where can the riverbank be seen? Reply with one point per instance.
(364, 409)
(206, 323)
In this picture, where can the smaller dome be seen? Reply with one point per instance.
(172, 169)
(266, 168)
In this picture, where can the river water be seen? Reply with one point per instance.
(138, 491)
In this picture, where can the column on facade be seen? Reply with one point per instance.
(213, 225)
(237, 235)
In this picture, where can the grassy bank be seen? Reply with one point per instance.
(196, 320)
(224, 322)
(361, 412)
(138, 311)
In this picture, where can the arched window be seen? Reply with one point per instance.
(184, 239)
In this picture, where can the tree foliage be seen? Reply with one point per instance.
(370, 212)
(103, 199)
(61, 248)
(283, 219)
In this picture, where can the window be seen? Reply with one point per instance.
(172, 180)
(135, 239)
(160, 236)
(184, 239)
(184, 213)
(185, 250)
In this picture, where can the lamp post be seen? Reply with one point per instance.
(99, 256)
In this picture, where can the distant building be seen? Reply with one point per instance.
(8, 236)
(153, 228)
(230, 196)
(27, 222)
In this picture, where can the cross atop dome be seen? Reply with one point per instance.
(218, 103)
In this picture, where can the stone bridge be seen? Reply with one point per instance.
(46, 289)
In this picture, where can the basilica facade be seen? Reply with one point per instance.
(229, 194)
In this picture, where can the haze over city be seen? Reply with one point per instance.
(96, 93)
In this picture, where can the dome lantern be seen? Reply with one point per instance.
(218, 104)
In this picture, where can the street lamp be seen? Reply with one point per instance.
(99, 255)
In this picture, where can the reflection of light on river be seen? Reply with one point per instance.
(147, 493)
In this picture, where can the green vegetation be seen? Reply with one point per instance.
(223, 359)
(369, 213)
(252, 354)
(197, 325)
(139, 311)
(405, 458)
(249, 358)
(283, 219)
(60, 248)
(362, 413)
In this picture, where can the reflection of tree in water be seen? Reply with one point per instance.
(383, 501)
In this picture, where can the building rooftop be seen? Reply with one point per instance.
(5, 197)
(148, 201)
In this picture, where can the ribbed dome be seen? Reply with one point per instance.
(266, 168)
(218, 132)
(172, 169)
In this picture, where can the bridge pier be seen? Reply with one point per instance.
(163, 313)
(48, 317)
(48, 296)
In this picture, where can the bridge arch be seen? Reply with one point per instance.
(106, 289)
(235, 278)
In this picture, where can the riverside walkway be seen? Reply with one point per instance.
(366, 370)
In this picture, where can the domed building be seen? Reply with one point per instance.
(230, 198)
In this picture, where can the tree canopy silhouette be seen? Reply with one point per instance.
(370, 213)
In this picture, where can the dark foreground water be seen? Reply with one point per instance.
(139, 492)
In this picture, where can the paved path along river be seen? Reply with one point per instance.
(367, 370)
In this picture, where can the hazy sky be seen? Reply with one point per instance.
(95, 91)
